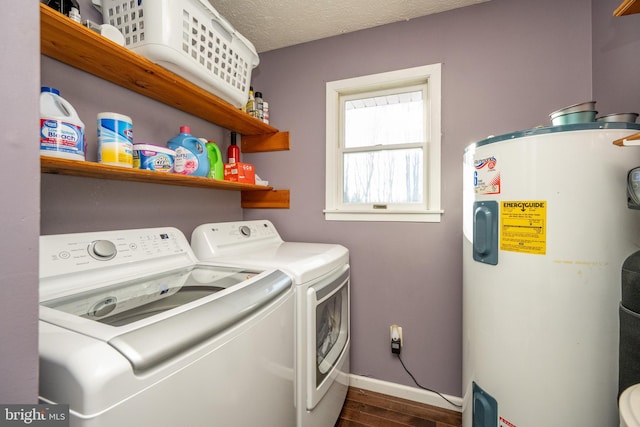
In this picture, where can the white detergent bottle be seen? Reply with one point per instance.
(61, 130)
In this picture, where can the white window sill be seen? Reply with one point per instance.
(398, 216)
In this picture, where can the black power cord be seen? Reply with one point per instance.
(425, 388)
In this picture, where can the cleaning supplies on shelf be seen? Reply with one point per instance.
(216, 166)
(234, 170)
(240, 172)
(249, 107)
(256, 106)
(191, 154)
(259, 106)
(153, 157)
(71, 8)
(233, 152)
(61, 130)
(115, 139)
(265, 112)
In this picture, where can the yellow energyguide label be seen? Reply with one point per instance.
(523, 226)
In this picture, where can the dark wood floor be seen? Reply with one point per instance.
(364, 408)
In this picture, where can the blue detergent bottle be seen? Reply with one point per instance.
(191, 154)
(216, 167)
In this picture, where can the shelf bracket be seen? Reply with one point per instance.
(274, 199)
(278, 141)
(627, 7)
(633, 139)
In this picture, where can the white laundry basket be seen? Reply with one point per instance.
(188, 37)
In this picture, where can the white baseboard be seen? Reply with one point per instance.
(404, 392)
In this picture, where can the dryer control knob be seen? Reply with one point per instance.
(245, 230)
(102, 250)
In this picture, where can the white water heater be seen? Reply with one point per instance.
(546, 230)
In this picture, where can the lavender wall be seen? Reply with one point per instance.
(616, 59)
(506, 65)
(20, 195)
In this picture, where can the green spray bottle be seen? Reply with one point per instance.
(216, 169)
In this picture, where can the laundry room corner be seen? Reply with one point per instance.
(410, 274)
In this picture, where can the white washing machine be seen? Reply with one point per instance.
(134, 331)
(320, 274)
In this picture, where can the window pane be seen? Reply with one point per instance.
(385, 176)
(384, 120)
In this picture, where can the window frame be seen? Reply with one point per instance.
(335, 210)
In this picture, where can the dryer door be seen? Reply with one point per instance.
(328, 333)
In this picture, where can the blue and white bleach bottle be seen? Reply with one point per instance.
(191, 154)
(61, 130)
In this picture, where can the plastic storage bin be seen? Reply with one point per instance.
(189, 38)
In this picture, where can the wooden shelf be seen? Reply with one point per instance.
(627, 7)
(633, 139)
(252, 196)
(72, 43)
(101, 171)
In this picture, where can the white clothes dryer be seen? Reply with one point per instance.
(321, 277)
(135, 332)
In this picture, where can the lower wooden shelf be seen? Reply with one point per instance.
(267, 197)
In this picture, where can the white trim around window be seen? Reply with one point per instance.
(429, 210)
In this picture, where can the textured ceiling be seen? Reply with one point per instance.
(272, 24)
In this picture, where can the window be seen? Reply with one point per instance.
(383, 147)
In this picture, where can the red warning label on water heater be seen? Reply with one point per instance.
(505, 423)
(486, 175)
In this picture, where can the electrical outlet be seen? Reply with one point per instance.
(396, 338)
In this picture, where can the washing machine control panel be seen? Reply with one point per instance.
(242, 231)
(224, 237)
(73, 253)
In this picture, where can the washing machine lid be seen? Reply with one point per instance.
(123, 303)
(630, 406)
(258, 244)
(304, 262)
(151, 319)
